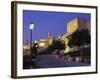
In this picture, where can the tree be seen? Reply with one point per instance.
(34, 50)
(56, 45)
(81, 37)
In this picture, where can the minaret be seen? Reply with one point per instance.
(27, 42)
(59, 37)
(49, 35)
(50, 38)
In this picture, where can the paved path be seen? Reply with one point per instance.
(50, 61)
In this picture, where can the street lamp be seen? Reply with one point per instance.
(31, 27)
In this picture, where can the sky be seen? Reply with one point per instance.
(47, 21)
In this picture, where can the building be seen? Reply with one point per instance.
(77, 24)
(26, 49)
(46, 42)
(72, 26)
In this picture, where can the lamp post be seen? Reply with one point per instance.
(31, 27)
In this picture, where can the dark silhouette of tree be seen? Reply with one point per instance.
(56, 45)
(81, 37)
(34, 51)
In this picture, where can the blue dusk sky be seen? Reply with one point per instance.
(47, 21)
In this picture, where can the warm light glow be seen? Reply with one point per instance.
(42, 44)
(26, 46)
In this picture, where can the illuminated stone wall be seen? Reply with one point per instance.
(83, 24)
(72, 26)
(77, 23)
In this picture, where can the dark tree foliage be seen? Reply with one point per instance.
(80, 37)
(34, 50)
(56, 45)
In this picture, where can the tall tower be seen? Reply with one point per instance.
(50, 38)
